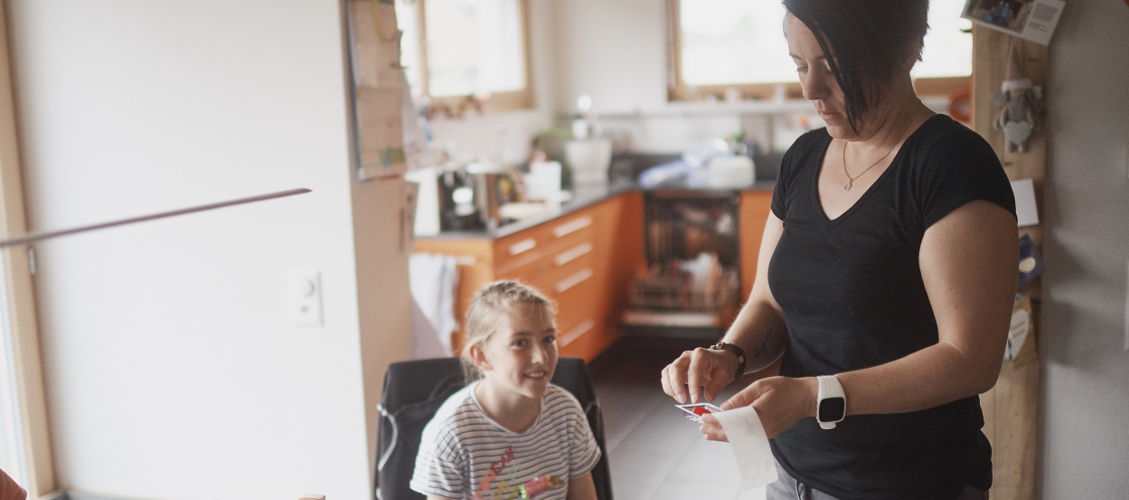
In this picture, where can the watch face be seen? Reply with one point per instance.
(832, 409)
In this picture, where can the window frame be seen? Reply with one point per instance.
(499, 101)
(679, 90)
(37, 450)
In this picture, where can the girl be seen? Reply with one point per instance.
(510, 434)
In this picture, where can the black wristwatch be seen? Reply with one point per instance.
(737, 351)
(831, 402)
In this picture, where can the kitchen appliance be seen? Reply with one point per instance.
(589, 160)
(730, 172)
(459, 201)
(470, 201)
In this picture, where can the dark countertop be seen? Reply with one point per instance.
(583, 197)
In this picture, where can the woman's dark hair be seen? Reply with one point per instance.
(865, 42)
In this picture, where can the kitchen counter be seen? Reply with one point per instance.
(583, 197)
(585, 255)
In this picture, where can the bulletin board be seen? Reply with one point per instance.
(1011, 407)
(377, 88)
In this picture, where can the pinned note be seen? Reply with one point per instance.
(1025, 208)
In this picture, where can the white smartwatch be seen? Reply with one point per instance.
(831, 402)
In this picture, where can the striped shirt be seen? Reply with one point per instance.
(465, 454)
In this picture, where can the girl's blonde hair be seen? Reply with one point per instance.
(486, 312)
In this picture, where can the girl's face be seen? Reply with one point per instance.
(521, 355)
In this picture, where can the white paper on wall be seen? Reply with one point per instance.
(1025, 209)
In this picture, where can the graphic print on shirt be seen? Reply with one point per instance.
(496, 469)
(507, 490)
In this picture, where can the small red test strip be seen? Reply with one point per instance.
(694, 412)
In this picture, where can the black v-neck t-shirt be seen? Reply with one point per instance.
(853, 297)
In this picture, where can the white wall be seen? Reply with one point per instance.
(1085, 400)
(614, 51)
(172, 368)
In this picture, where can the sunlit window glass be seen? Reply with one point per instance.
(473, 47)
(407, 21)
(11, 427)
(742, 42)
(948, 48)
(734, 41)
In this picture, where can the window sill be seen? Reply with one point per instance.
(938, 104)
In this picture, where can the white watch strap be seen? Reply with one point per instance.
(829, 387)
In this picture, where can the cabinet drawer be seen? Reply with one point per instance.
(569, 335)
(564, 261)
(572, 224)
(577, 296)
(572, 230)
(532, 274)
(519, 249)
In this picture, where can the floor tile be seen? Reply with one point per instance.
(653, 451)
(707, 461)
(695, 491)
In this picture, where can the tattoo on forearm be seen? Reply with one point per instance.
(762, 349)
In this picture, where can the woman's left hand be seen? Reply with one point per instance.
(780, 402)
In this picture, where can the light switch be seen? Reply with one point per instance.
(305, 297)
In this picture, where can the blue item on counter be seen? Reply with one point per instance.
(659, 174)
(690, 169)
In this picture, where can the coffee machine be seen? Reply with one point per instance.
(470, 201)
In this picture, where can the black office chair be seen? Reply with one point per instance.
(414, 390)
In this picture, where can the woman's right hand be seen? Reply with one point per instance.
(709, 369)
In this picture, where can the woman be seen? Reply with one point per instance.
(887, 275)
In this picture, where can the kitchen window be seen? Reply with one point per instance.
(718, 45)
(461, 52)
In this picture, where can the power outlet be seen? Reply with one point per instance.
(305, 297)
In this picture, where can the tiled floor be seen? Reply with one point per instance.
(653, 451)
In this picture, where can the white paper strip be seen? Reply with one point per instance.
(750, 446)
(1025, 208)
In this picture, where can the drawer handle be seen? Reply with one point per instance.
(576, 332)
(572, 254)
(574, 280)
(572, 226)
(523, 246)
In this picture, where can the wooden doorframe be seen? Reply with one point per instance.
(21, 290)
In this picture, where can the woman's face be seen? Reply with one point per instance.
(820, 86)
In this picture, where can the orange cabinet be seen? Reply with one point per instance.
(583, 261)
(754, 210)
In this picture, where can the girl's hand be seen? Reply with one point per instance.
(712, 429)
(713, 369)
(780, 402)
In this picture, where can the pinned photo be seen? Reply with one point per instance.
(1033, 20)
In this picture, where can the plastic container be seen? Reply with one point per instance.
(589, 160)
(730, 172)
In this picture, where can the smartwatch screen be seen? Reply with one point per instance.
(832, 409)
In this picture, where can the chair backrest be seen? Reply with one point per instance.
(414, 390)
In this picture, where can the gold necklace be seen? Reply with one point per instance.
(851, 180)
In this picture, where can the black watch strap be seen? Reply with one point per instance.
(737, 351)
